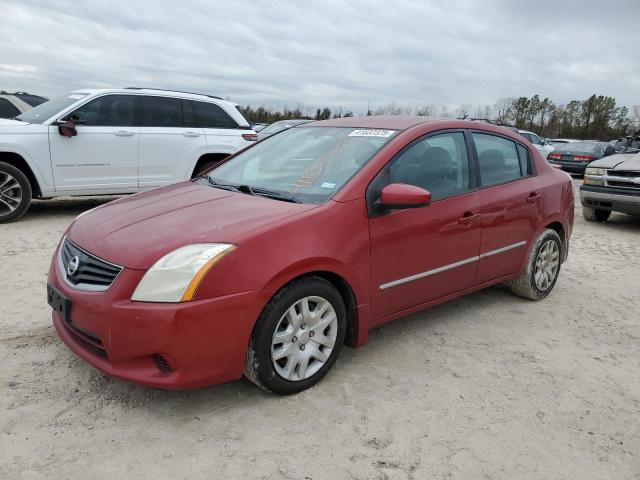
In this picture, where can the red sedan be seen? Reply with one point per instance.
(301, 243)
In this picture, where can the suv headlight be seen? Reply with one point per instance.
(595, 172)
(176, 276)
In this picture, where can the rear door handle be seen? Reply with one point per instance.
(468, 218)
(191, 134)
(534, 198)
(123, 133)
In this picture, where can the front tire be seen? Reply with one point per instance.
(542, 268)
(297, 337)
(15, 193)
(595, 215)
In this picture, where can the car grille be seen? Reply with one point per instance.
(86, 272)
(623, 179)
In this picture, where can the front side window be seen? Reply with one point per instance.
(7, 109)
(107, 111)
(161, 112)
(307, 164)
(438, 163)
(498, 159)
(210, 115)
(46, 110)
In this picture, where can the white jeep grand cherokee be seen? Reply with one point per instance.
(113, 141)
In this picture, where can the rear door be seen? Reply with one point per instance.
(511, 198)
(170, 140)
(104, 153)
(222, 132)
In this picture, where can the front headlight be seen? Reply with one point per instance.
(176, 276)
(594, 172)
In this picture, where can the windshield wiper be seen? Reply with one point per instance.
(255, 191)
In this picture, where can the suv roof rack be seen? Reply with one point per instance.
(177, 91)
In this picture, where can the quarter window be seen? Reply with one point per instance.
(108, 111)
(8, 109)
(498, 159)
(438, 163)
(210, 115)
(161, 112)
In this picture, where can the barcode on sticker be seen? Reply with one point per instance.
(372, 133)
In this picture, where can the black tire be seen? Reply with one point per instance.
(595, 215)
(524, 285)
(203, 167)
(259, 367)
(11, 210)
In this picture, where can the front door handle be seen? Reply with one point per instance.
(123, 133)
(191, 134)
(468, 218)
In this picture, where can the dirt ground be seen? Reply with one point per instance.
(489, 386)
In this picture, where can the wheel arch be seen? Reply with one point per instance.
(18, 161)
(207, 158)
(558, 227)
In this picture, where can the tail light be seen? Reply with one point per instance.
(584, 158)
(250, 137)
(555, 156)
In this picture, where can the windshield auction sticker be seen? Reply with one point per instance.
(372, 133)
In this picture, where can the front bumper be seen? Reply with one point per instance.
(610, 198)
(171, 346)
(573, 167)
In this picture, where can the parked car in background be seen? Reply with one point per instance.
(113, 141)
(629, 143)
(559, 142)
(544, 148)
(611, 184)
(13, 104)
(303, 242)
(258, 126)
(279, 126)
(575, 156)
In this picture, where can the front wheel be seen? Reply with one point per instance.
(15, 193)
(541, 271)
(595, 215)
(297, 337)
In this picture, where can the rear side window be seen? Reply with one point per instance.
(33, 100)
(498, 159)
(108, 111)
(161, 112)
(525, 160)
(210, 115)
(8, 109)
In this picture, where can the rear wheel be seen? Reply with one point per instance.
(540, 273)
(297, 338)
(595, 215)
(15, 193)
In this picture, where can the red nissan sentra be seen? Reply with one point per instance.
(273, 260)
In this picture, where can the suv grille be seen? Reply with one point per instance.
(622, 181)
(85, 271)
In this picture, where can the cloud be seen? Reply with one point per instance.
(328, 52)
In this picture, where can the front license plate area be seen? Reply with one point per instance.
(59, 302)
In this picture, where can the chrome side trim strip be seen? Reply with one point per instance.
(444, 268)
(418, 276)
(503, 249)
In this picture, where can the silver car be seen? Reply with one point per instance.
(276, 127)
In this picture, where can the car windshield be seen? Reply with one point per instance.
(581, 147)
(306, 164)
(48, 109)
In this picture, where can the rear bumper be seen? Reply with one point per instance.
(612, 199)
(573, 167)
(170, 346)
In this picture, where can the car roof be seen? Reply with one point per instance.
(154, 91)
(392, 122)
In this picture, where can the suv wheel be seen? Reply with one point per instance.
(297, 337)
(595, 215)
(540, 273)
(15, 193)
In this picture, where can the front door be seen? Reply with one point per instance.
(104, 153)
(419, 255)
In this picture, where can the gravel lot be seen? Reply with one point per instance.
(487, 386)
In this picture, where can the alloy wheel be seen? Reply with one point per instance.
(10, 194)
(546, 265)
(304, 338)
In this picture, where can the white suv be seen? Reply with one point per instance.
(543, 147)
(113, 141)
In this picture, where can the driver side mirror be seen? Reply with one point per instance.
(67, 128)
(398, 196)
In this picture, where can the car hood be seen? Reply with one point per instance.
(620, 161)
(136, 231)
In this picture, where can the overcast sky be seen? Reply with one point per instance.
(329, 52)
